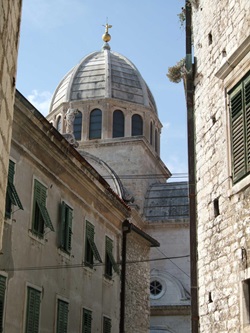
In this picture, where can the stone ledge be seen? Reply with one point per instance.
(170, 310)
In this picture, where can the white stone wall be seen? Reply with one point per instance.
(10, 12)
(219, 28)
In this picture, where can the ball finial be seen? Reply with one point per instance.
(106, 36)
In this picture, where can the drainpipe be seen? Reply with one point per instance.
(126, 228)
(191, 171)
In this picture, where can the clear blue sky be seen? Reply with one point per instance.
(57, 34)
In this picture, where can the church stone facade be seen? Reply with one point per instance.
(221, 42)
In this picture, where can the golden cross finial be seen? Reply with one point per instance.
(107, 27)
(106, 37)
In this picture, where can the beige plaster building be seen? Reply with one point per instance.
(221, 43)
(63, 255)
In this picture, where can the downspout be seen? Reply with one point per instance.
(191, 170)
(126, 228)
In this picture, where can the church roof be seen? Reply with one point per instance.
(167, 201)
(104, 74)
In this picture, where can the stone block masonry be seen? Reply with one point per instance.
(10, 15)
(219, 30)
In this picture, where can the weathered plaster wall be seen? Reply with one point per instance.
(10, 13)
(219, 28)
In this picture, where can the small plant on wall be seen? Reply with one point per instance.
(176, 73)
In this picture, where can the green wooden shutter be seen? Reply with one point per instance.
(11, 195)
(109, 250)
(2, 299)
(247, 112)
(62, 316)
(66, 227)
(106, 325)
(86, 321)
(238, 135)
(90, 236)
(40, 194)
(33, 311)
(69, 228)
(63, 225)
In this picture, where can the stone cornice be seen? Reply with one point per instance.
(170, 310)
(234, 59)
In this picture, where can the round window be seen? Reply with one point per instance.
(155, 288)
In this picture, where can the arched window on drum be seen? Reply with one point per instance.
(78, 126)
(118, 124)
(151, 133)
(137, 125)
(59, 124)
(95, 124)
(156, 140)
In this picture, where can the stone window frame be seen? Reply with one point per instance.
(163, 284)
(231, 72)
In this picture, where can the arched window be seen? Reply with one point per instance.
(59, 124)
(156, 141)
(118, 124)
(151, 133)
(95, 124)
(137, 125)
(78, 126)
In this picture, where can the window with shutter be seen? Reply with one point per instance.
(12, 197)
(62, 316)
(95, 124)
(110, 262)
(33, 311)
(106, 325)
(86, 321)
(41, 218)
(91, 251)
(240, 128)
(2, 300)
(66, 227)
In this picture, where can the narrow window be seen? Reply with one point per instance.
(62, 316)
(137, 125)
(216, 207)
(240, 128)
(12, 197)
(91, 251)
(59, 124)
(156, 140)
(33, 311)
(118, 124)
(246, 302)
(41, 217)
(86, 321)
(151, 133)
(106, 325)
(110, 263)
(2, 300)
(210, 38)
(66, 227)
(95, 125)
(78, 126)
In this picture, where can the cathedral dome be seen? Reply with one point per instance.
(103, 74)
